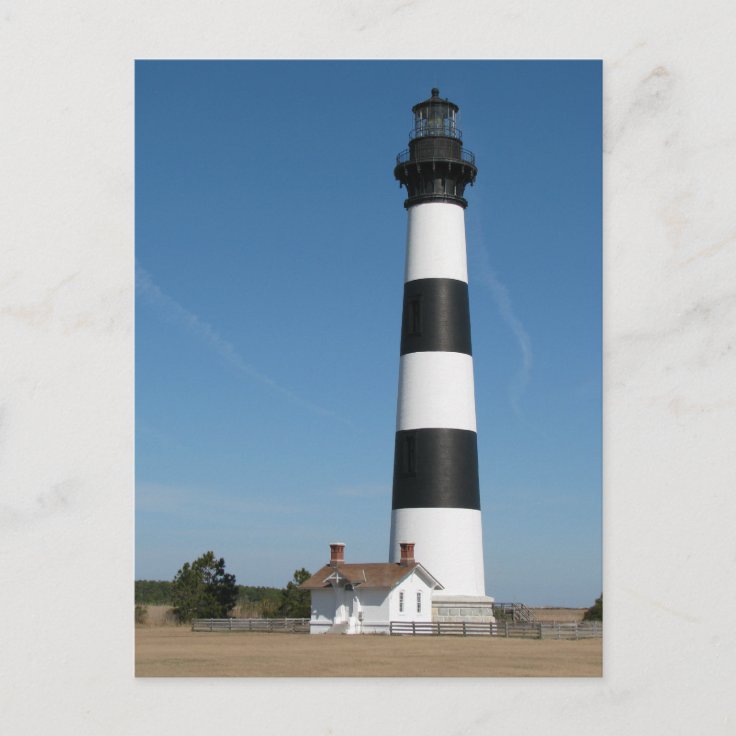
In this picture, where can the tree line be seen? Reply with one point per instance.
(158, 593)
(202, 589)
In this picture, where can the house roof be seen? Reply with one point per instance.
(366, 575)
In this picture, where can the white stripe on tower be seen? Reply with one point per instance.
(436, 495)
(436, 390)
(435, 243)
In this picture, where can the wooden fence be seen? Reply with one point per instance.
(505, 629)
(508, 629)
(552, 630)
(292, 625)
(437, 628)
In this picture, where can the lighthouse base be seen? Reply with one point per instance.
(471, 609)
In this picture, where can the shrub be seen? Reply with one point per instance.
(595, 612)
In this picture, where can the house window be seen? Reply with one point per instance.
(419, 602)
(401, 601)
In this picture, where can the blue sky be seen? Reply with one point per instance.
(270, 240)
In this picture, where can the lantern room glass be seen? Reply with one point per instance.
(435, 119)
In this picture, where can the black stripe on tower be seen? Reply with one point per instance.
(436, 317)
(436, 468)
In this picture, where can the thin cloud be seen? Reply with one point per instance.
(362, 491)
(174, 312)
(487, 276)
(186, 502)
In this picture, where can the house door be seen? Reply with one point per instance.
(341, 609)
(356, 614)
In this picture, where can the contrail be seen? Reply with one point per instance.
(500, 293)
(176, 313)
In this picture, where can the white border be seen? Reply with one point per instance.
(66, 439)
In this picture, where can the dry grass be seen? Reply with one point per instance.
(159, 616)
(164, 615)
(560, 615)
(179, 652)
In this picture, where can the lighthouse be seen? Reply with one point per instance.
(436, 495)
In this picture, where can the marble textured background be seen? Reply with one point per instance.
(66, 335)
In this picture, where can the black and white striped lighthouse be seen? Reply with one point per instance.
(436, 498)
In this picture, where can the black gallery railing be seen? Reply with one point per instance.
(465, 155)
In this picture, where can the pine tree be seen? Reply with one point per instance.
(296, 603)
(203, 589)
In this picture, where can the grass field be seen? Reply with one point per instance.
(176, 651)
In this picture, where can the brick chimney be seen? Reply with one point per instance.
(337, 553)
(407, 553)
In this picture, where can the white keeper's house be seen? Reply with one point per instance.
(362, 598)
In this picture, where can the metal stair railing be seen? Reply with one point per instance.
(518, 612)
(522, 613)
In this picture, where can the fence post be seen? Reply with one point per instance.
(576, 631)
(464, 631)
(230, 623)
(540, 630)
(210, 624)
(506, 627)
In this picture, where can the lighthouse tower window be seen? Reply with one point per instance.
(409, 456)
(401, 601)
(413, 316)
(416, 317)
(419, 601)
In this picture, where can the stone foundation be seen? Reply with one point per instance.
(471, 609)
